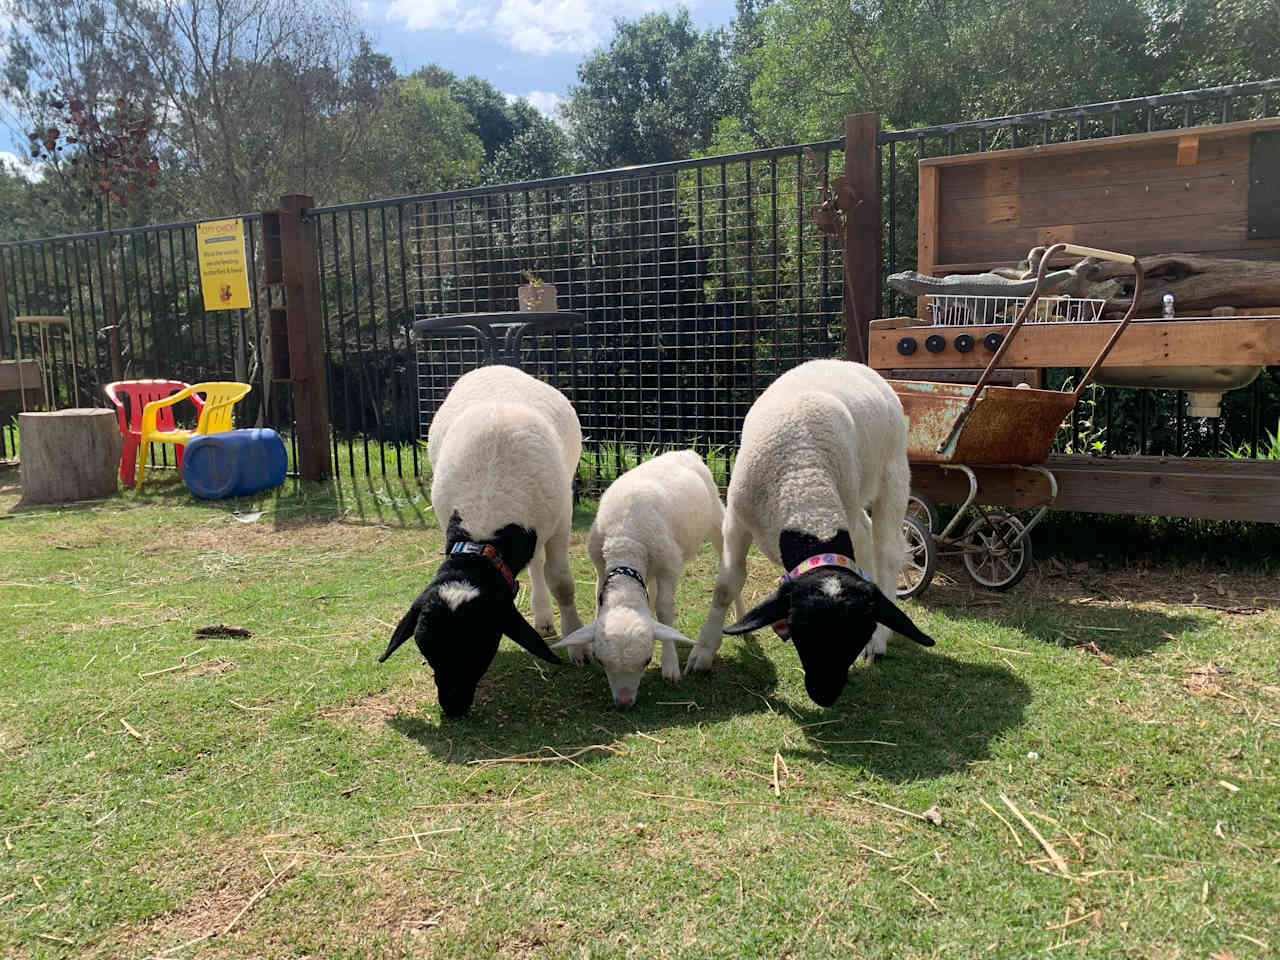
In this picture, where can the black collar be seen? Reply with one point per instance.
(490, 553)
(622, 572)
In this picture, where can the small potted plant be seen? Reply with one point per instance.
(536, 295)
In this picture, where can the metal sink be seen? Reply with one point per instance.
(1204, 385)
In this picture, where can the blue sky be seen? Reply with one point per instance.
(529, 48)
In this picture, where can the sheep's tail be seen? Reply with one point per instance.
(404, 629)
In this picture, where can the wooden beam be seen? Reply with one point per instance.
(301, 275)
(1207, 132)
(862, 230)
(927, 229)
(1161, 343)
(1188, 151)
(1138, 486)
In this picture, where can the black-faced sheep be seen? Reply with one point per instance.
(503, 449)
(823, 444)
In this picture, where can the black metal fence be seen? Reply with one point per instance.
(700, 281)
(151, 276)
(1116, 420)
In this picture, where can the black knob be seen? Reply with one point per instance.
(964, 343)
(935, 343)
(992, 341)
(907, 346)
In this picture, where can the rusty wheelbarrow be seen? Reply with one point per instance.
(956, 425)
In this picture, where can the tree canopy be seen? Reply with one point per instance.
(251, 99)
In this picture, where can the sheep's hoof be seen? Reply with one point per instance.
(578, 655)
(547, 628)
(699, 659)
(671, 672)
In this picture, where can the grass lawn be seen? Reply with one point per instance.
(283, 795)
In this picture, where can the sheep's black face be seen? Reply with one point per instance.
(830, 615)
(459, 641)
(831, 620)
(459, 619)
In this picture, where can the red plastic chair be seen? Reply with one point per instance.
(139, 393)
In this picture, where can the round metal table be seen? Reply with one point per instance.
(501, 332)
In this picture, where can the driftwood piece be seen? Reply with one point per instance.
(1196, 282)
(68, 455)
(915, 284)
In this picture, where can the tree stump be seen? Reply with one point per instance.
(69, 455)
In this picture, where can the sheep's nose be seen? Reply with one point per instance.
(625, 698)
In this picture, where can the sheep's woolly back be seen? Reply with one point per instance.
(821, 432)
(663, 509)
(503, 448)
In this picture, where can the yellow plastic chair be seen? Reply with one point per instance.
(219, 398)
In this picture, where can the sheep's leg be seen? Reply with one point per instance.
(560, 578)
(665, 593)
(729, 582)
(890, 550)
(600, 573)
(717, 540)
(544, 620)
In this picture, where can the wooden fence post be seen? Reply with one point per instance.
(305, 316)
(862, 232)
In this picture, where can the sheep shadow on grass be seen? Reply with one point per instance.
(1047, 613)
(524, 706)
(916, 714)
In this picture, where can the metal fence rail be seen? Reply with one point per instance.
(1121, 420)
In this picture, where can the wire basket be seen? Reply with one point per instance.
(947, 310)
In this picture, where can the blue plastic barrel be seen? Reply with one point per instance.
(234, 463)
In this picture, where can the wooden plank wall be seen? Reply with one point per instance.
(1183, 191)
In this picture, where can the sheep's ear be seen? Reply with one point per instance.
(888, 613)
(521, 631)
(662, 632)
(581, 637)
(769, 611)
(405, 628)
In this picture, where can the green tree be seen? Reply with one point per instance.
(656, 93)
(519, 142)
(420, 141)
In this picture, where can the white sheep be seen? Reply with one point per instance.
(823, 444)
(503, 449)
(650, 523)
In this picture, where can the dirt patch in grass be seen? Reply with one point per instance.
(12, 744)
(373, 711)
(530, 941)
(210, 668)
(1237, 592)
(232, 536)
(234, 875)
(1206, 680)
(344, 903)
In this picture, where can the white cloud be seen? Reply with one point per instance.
(537, 27)
(543, 101)
(22, 166)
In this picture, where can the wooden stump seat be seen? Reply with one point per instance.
(68, 455)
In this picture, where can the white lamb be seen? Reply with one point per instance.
(650, 524)
(823, 444)
(503, 449)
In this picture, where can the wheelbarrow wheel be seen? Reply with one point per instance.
(988, 557)
(924, 510)
(921, 558)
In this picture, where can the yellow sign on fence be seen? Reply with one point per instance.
(224, 274)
